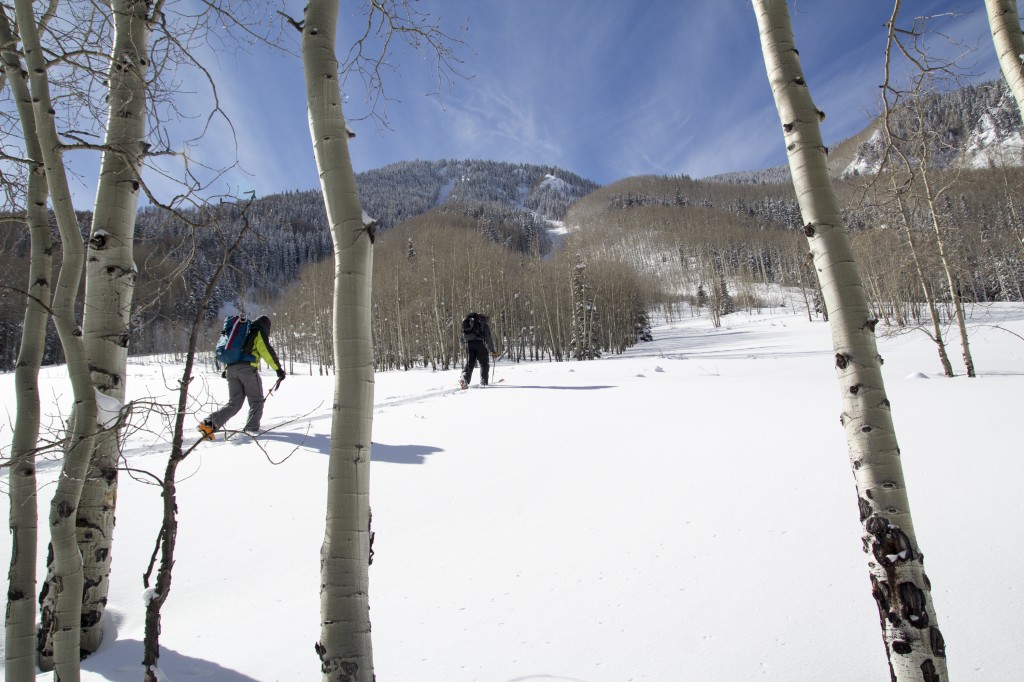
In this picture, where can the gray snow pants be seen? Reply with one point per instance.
(244, 383)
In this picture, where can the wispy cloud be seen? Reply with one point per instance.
(605, 88)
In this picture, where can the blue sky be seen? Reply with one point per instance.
(604, 88)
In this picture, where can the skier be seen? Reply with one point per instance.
(476, 335)
(244, 381)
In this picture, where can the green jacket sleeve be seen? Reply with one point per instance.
(262, 349)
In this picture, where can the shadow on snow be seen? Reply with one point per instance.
(120, 663)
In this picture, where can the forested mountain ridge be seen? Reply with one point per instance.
(976, 126)
(406, 189)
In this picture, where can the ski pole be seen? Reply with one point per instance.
(274, 388)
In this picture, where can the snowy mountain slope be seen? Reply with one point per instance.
(975, 127)
(631, 518)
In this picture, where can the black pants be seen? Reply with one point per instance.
(476, 351)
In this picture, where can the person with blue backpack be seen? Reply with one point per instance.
(241, 347)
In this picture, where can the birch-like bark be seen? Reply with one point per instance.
(20, 620)
(1004, 21)
(893, 148)
(62, 622)
(109, 286)
(947, 268)
(344, 648)
(913, 643)
(926, 289)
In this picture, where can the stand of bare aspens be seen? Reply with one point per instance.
(654, 243)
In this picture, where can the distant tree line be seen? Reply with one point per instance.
(508, 204)
(433, 270)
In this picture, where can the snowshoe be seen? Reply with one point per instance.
(206, 429)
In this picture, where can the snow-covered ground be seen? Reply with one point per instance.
(685, 511)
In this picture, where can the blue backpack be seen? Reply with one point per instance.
(232, 339)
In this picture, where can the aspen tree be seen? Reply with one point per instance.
(913, 643)
(922, 137)
(344, 648)
(109, 287)
(20, 620)
(62, 623)
(1008, 39)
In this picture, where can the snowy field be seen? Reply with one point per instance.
(683, 512)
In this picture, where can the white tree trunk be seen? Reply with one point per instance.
(63, 621)
(345, 650)
(913, 643)
(947, 268)
(109, 286)
(20, 620)
(1009, 43)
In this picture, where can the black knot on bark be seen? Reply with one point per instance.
(901, 647)
(787, 127)
(928, 672)
(937, 641)
(855, 389)
(91, 618)
(98, 241)
(877, 526)
(865, 508)
(799, 81)
(913, 599)
(809, 229)
(880, 591)
(892, 545)
(65, 509)
(843, 360)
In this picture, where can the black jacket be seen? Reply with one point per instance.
(482, 333)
